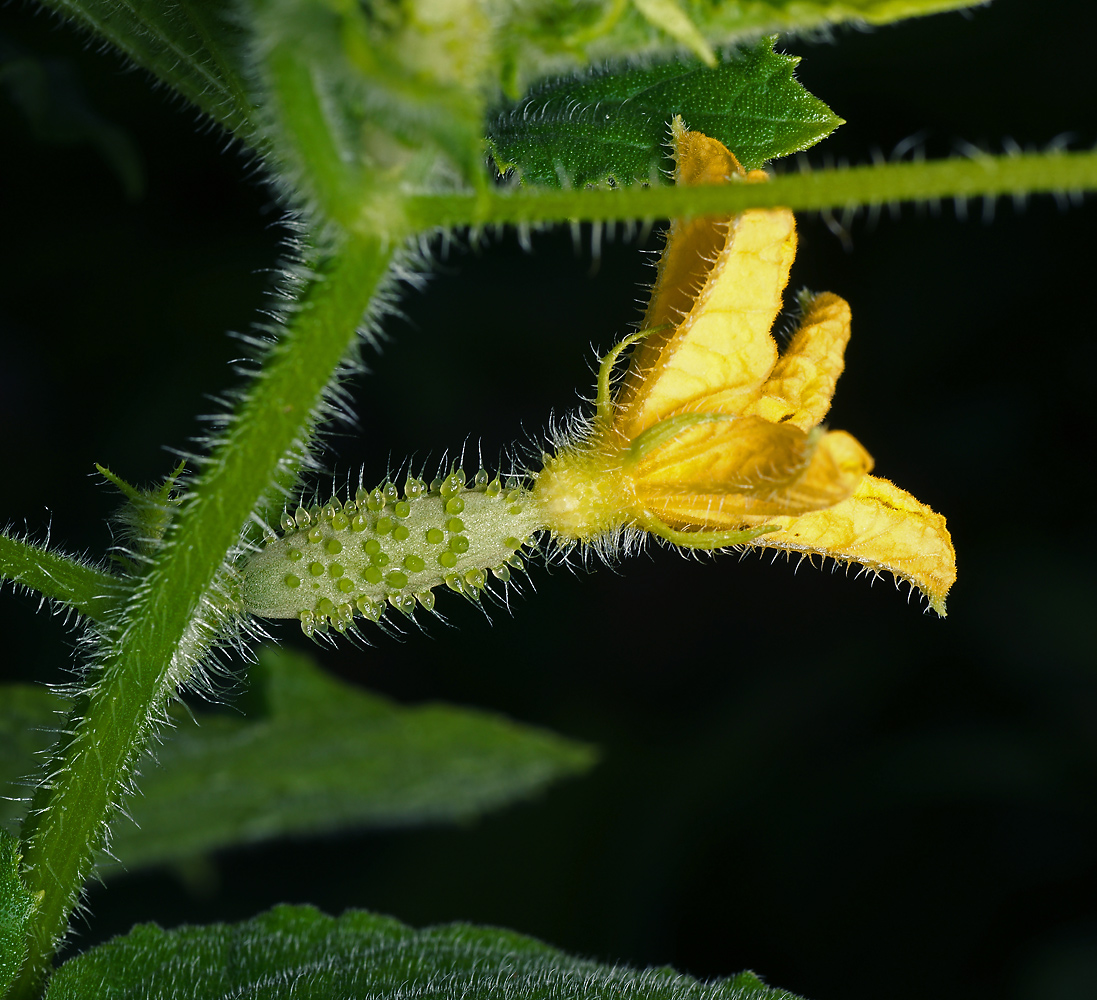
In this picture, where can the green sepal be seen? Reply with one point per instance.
(612, 128)
(706, 540)
(147, 513)
(298, 950)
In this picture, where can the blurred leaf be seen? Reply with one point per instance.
(363, 100)
(51, 97)
(325, 755)
(27, 718)
(536, 39)
(199, 47)
(615, 127)
(296, 950)
(194, 46)
(16, 907)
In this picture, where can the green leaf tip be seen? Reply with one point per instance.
(612, 128)
(298, 950)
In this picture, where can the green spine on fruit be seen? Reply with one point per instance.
(345, 559)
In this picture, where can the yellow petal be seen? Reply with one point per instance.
(882, 528)
(719, 287)
(801, 386)
(726, 472)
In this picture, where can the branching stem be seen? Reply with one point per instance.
(170, 621)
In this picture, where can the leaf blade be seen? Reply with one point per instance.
(357, 955)
(613, 128)
(329, 756)
(194, 47)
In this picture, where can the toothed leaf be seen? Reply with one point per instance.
(323, 755)
(16, 907)
(201, 48)
(298, 951)
(614, 128)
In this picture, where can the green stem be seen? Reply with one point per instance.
(60, 578)
(981, 177)
(323, 170)
(171, 619)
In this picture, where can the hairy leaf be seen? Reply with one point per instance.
(199, 47)
(16, 906)
(297, 951)
(537, 38)
(324, 755)
(614, 127)
(194, 46)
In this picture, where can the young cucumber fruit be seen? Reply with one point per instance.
(342, 559)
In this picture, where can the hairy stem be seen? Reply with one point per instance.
(172, 618)
(980, 177)
(60, 578)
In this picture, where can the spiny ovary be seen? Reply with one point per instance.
(377, 547)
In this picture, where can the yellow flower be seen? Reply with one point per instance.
(713, 439)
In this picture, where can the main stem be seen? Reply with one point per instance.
(169, 622)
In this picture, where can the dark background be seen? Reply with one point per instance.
(801, 774)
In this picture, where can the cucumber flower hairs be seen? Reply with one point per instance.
(710, 440)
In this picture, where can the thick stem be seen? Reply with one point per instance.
(960, 179)
(170, 621)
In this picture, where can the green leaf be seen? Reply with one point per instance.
(194, 46)
(16, 906)
(614, 127)
(28, 716)
(552, 36)
(296, 950)
(199, 47)
(325, 755)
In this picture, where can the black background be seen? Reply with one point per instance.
(801, 774)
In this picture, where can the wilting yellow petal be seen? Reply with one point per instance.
(882, 528)
(719, 288)
(801, 386)
(711, 438)
(764, 471)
